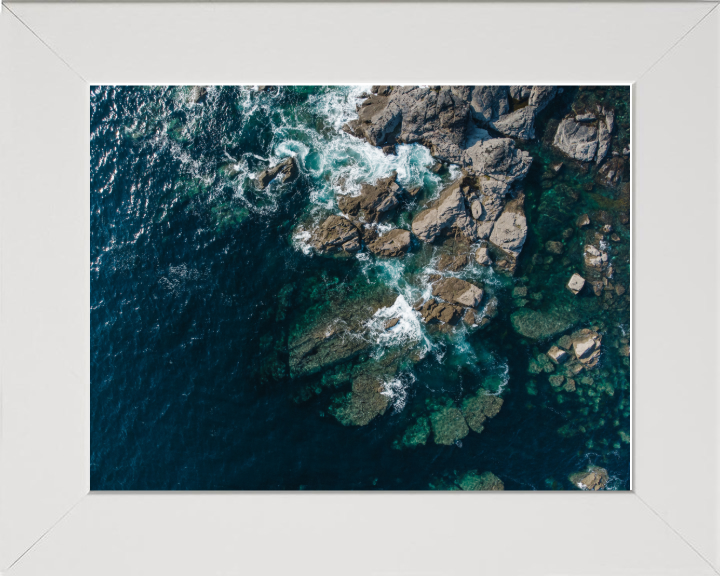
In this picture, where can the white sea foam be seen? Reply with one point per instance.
(397, 390)
(301, 241)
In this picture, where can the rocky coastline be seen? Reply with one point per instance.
(486, 135)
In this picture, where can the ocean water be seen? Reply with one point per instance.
(200, 284)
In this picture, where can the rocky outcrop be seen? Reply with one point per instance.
(440, 117)
(433, 311)
(499, 159)
(470, 206)
(434, 116)
(284, 172)
(491, 108)
(374, 202)
(585, 137)
(392, 244)
(336, 234)
(592, 478)
(449, 213)
(458, 291)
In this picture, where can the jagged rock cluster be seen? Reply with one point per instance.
(568, 357)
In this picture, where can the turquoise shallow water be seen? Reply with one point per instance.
(200, 284)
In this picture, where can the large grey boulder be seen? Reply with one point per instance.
(394, 243)
(578, 140)
(284, 171)
(510, 230)
(586, 136)
(336, 234)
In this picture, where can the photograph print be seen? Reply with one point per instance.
(360, 288)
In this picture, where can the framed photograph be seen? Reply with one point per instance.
(328, 279)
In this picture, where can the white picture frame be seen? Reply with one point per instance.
(49, 521)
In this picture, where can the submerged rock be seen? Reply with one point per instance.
(336, 234)
(362, 404)
(478, 408)
(448, 425)
(392, 244)
(451, 263)
(416, 434)
(336, 336)
(541, 325)
(285, 171)
(458, 291)
(485, 481)
(592, 478)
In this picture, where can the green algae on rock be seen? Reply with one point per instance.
(362, 404)
(448, 425)
(540, 325)
(478, 408)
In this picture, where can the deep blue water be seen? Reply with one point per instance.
(198, 282)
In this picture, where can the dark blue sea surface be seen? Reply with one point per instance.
(200, 283)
